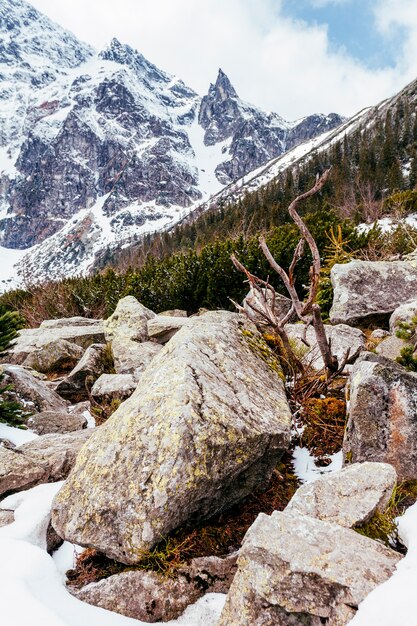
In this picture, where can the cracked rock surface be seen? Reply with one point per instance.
(207, 424)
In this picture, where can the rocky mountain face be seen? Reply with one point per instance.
(99, 147)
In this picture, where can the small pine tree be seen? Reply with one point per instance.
(11, 411)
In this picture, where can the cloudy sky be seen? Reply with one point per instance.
(291, 56)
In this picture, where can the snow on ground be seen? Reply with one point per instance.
(388, 224)
(16, 435)
(305, 467)
(395, 602)
(8, 272)
(31, 582)
(207, 158)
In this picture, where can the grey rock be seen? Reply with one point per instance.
(110, 386)
(174, 313)
(129, 321)
(69, 322)
(379, 333)
(53, 540)
(32, 339)
(6, 517)
(382, 416)
(342, 338)
(56, 356)
(32, 392)
(404, 314)
(282, 307)
(207, 423)
(162, 329)
(131, 357)
(18, 471)
(349, 497)
(368, 292)
(89, 367)
(211, 574)
(294, 570)
(390, 347)
(142, 595)
(50, 422)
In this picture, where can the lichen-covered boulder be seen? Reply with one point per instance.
(367, 292)
(349, 497)
(294, 570)
(382, 417)
(162, 328)
(56, 356)
(90, 366)
(207, 423)
(390, 347)
(131, 357)
(342, 338)
(34, 394)
(110, 386)
(129, 321)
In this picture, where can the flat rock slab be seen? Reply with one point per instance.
(367, 292)
(382, 417)
(162, 328)
(46, 459)
(294, 570)
(349, 497)
(110, 386)
(53, 422)
(341, 336)
(206, 425)
(31, 391)
(32, 339)
(391, 347)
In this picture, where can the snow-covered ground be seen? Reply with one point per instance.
(32, 590)
(8, 270)
(306, 469)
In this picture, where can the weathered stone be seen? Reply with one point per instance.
(207, 423)
(129, 321)
(342, 338)
(90, 366)
(53, 540)
(162, 329)
(390, 347)
(294, 570)
(349, 497)
(131, 357)
(110, 386)
(55, 453)
(32, 392)
(6, 518)
(174, 313)
(49, 422)
(71, 322)
(56, 356)
(367, 292)
(18, 471)
(382, 418)
(404, 314)
(282, 307)
(32, 339)
(151, 598)
(379, 333)
(145, 596)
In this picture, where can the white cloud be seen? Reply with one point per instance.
(275, 62)
(324, 3)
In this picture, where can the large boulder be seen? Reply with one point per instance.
(390, 347)
(405, 314)
(91, 366)
(206, 425)
(131, 357)
(56, 356)
(367, 292)
(110, 386)
(382, 417)
(53, 422)
(34, 393)
(129, 321)
(162, 328)
(82, 332)
(349, 497)
(44, 460)
(294, 570)
(342, 338)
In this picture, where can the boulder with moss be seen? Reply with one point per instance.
(206, 425)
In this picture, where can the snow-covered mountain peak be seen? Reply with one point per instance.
(223, 88)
